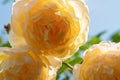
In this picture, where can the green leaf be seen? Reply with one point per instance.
(73, 57)
(6, 45)
(0, 40)
(63, 68)
(101, 34)
(94, 40)
(77, 60)
(5, 1)
(84, 47)
(116, 37)
(60, 71)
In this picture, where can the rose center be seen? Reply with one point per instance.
(48, 28)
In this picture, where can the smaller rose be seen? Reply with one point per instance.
(101, 62)
(17, 64)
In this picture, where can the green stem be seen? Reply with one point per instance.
(68, 65)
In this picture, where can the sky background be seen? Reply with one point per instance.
(104, 16)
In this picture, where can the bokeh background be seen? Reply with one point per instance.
(104, 25)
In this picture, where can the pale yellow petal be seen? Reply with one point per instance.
(53, 27)
(101, 62)
(76, 71)
(19, 64)
(54, 65)
(16, 40)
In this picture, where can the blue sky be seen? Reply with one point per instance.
(5, 14)
(104, 16)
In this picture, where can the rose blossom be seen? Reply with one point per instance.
(54, 27)
(19, 64)
(101, 62)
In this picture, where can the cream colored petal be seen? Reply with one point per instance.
(54, 64)
(3, 56)
(19, 21)
(80, 8)
(101, 62)
(20, 64)
(52, 73)
(16, 40)
(17, 13)
(76, 71)
(81, 12)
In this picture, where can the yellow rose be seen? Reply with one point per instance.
(55, 27)
(101, 62)
(17, 64)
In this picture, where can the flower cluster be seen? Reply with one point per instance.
(42, 34)
(101, 62)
